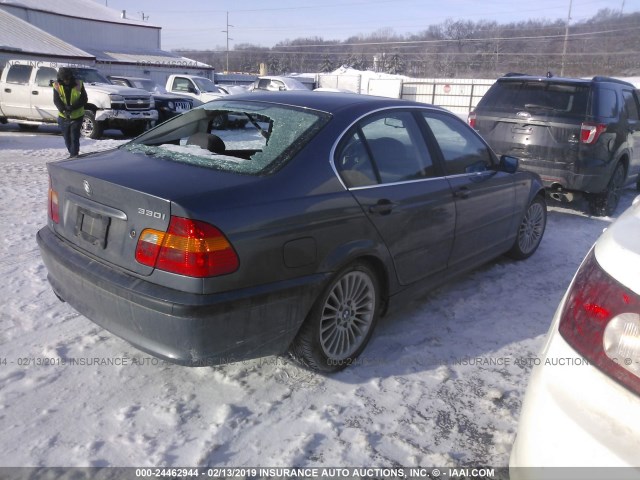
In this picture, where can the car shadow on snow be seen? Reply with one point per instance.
(494, 315)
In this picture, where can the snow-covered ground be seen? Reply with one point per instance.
(440, 384)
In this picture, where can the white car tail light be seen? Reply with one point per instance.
(601, 320)
(622, 341)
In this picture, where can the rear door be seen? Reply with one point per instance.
(485, 197)
(387, 166)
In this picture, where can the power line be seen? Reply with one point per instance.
(456, 40)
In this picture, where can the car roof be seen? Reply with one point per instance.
(126, 77)
(516, 77)
(330, 102)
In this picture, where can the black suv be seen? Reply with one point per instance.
(579, 135)
(168, 104)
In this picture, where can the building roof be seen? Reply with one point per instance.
(21, 37)
(148, 57)
(87, 9)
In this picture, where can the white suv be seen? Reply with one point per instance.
(582, 406)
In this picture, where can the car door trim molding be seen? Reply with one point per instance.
(378, 185)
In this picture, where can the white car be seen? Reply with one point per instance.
(277, 84)
(233, 89)
(582, 405)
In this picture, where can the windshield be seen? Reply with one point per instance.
(206, 85)
(234, 136)
(148, 85)
(89, 75)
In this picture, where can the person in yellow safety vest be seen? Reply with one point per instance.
(70, 98)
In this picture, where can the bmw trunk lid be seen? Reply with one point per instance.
(106, 200)
(101, 217)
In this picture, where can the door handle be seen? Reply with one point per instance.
(7, 90)
(35, 92)
(383, 207)
(462, 192)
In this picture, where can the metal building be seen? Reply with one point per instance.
(83, 31)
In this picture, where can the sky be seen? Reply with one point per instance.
(195, 24)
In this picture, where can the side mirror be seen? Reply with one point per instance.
(192, 89)
(508, 164)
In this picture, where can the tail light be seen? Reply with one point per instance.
(590, 132)
(601, 320)
(54, 207)
(188, 247)
(471, 119)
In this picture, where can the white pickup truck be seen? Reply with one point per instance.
(26, 98)
(197, 87)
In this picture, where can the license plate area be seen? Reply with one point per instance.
(92, 227)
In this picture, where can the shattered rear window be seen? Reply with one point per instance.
(236, 136)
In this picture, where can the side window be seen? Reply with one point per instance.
(462, 149)
(630, 105)
(397, 147)
(181, 84)
(353, 161)
(19, 74)
(46, 76)
(118, 81)
(607, 102)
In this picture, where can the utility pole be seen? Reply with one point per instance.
(566, 38)
(227, 32)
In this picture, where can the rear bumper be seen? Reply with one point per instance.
(183, 328)
(555, 175)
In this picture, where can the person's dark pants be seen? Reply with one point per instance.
(71, 134)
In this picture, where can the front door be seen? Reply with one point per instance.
(484, 196)
(632, 114)
(42, 106)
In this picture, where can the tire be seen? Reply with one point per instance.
(604, 204)
(341, 322)
(90, 127)
(530, 230)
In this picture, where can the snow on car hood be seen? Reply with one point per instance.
(115, 89)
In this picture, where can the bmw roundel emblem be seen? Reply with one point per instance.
(87, 187)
